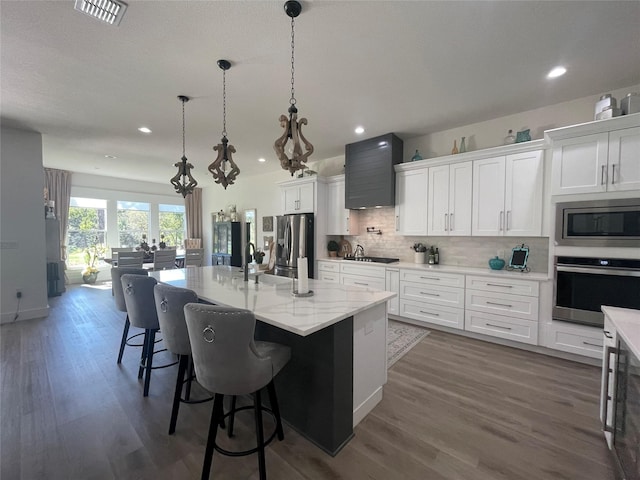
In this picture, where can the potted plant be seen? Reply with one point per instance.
(333, 248)
(91, 257)
(259, 256)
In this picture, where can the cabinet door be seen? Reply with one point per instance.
(335, 208)
(523, 194)
(290, 198)
(438, 203)
(579, 165)
(460, 201)
(411, 202)
(624, 160)
(305, 198)
(393, 285)
(488, 196)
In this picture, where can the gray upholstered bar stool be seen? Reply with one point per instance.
(141, 307)
(170, 302)
(118, 296)
(229, 362)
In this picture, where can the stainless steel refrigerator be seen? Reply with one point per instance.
(294, 239)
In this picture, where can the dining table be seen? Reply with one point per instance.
(147, 261)
(337, 334)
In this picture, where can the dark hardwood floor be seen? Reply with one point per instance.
(453, 408)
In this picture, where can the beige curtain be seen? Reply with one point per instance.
(193, 210)
(58, 184)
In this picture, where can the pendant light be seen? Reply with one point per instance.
(183, 182)
(288, 146)
(224, 161)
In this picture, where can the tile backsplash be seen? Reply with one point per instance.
(464, 251)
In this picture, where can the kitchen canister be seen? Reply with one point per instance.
(419, 257)
(630, 104)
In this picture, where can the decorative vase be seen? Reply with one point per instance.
(496, 263)
(90, 278)
(416, 157)
(510, 138)
(455, 148)
(463, 147)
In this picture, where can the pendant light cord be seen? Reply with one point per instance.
(183, 130)
(293, 98)
(224, 103)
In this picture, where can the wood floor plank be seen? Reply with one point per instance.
(453, 408)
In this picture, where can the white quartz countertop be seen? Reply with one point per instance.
(271, 300)
(627, 323)
(447, 269)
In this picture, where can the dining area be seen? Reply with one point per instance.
(159, 259)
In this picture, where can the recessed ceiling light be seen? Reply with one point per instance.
(110, 156)
(557, 72)
(145, 130)
(359, 130)
(262, 160)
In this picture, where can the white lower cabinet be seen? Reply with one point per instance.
(367, 276)
(328, 271)
(393, 285)
(607, 391)
(430, 297)
(503, 308)
(572, 338)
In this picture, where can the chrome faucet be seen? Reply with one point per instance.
(247, 254)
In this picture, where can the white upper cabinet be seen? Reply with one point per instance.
(411, 202)
(449, 205)
(298, 196)
(340, 220)
(507, 195)
(596, 157)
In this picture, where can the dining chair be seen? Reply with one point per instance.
(192, 243)
(131, 259)
(228, 361)
(114, 254)
(164, 259)
(193, 257)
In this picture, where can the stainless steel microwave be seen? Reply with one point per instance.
(599, 223)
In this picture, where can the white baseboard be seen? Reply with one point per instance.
(365, 407)
(8, 317)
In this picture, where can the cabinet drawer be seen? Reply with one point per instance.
(502, 304)
(447, 296)
(436, 314)
(516, 329)
(503, 285)
(329, 267)
(365, 282)
(587, 341)
(432, 278)
(363, 270)
(329, 277)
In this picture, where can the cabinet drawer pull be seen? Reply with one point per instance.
(430, 278)
(430, 313)
(397, 222)
(360, 283)
(497, 326)
(591, 344)
(451, 227)
(498, 285)
(602, 181)
(446, 222)
(500, 304)
(607, 334)
(613, 174)
(430, 294)
(508, 218)
(501, 220)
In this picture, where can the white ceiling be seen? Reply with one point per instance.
(409, 67)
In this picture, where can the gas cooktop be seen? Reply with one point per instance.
(372, 259)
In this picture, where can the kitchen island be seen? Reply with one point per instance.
(338, 361)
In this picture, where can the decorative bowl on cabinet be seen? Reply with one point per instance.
(496, 263)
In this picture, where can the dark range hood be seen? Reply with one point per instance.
(370, 180)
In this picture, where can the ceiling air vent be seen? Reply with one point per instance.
(108, 11)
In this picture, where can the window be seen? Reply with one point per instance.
(172, 224)
(87, 227)
(133, 222)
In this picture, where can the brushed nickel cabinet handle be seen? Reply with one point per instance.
(498, 326)
(607, 368)
(500, 304)
(430, 278)
(397, 222)
(498, 285)
(446, 222)
(602, 170)
(430, 313)
(508, 219)
(347, 225)
(607, 334)
(430, 294)
(359, 283)
(613, 174)
(451, 227)
(591, 344)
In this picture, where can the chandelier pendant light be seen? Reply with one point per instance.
(183, 182)
(224, 161)
(288, 146)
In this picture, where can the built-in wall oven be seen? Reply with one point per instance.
(599, 223)
(583, 285)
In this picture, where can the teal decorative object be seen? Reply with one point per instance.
(463, 146)
(496, 263)
(523, 136)
(416, 157)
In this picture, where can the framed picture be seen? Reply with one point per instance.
(267, 224)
